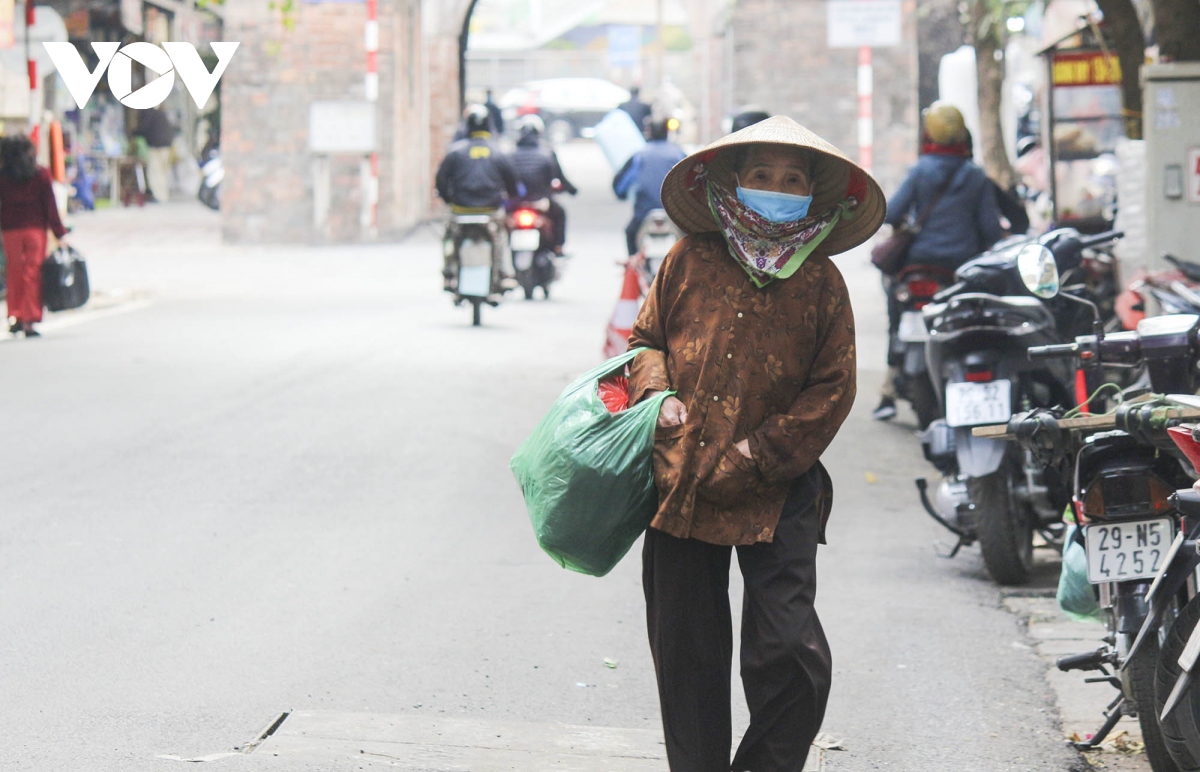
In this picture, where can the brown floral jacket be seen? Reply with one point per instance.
(774, 365)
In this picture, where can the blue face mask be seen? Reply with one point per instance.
(776, 207)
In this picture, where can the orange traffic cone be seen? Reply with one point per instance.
(624, 315)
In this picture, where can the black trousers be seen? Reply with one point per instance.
(631, 231)
(785, 660)
(558, 216)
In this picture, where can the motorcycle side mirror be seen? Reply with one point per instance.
(1039, 272)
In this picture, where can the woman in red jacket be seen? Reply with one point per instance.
(27, 211)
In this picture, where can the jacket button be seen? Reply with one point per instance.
(716, 398)
(729, 356)
(702, 443)
(739, 314)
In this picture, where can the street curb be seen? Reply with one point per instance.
(1050, 633)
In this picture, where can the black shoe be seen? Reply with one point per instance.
(31, 333)
(14, 328)
(886, 410)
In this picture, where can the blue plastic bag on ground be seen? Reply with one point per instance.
(586, 474)
(1075, 594)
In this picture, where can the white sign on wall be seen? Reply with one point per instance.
(857, 23)
(341, 127)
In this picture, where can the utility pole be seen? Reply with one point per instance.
(660, 48)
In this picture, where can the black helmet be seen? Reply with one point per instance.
(477, 118)
(658, 128)
(748, 117)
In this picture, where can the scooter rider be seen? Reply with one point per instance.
(963, 220)
(536, 166)
(644, 173)
(475, 177)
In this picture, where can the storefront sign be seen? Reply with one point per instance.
(1086, 69)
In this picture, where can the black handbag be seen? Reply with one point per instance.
(64, 280)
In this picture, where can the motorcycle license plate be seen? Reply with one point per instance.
(525, 240)
(912, 327)
(1133, 550)
(972, 404)
(655, 246)
(522, 260)
(475, 281)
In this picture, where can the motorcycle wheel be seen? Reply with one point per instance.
(1181, 728)
(924, 401)
(1005, 530)
(1142, 683)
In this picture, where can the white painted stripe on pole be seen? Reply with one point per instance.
(865, 80)
(626, 314)
(865, 132)
(372, 36)
(371, 86)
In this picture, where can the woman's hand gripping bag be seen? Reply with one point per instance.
(586, 472)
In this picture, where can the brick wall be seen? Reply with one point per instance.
(268, 193)
(782, 62)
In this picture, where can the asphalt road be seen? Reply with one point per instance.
(281, 483)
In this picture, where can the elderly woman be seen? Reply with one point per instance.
(750, 323)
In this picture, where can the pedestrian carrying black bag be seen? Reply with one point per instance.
(64, 280)
(889, 255)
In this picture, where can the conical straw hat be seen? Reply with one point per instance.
(834, 178)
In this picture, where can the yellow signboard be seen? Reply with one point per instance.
(1086, 69)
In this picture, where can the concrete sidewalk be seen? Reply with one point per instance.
(1053, 634)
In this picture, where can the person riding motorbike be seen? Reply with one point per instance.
(964, 219)
(536, 166)
(644, 173)
(476, 177)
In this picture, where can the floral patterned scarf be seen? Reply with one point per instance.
(769, 250)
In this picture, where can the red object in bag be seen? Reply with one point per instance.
(614, 392)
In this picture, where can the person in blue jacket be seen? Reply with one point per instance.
(963, 222)
(643, 174)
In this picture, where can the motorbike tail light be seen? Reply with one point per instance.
(923, 288)
(979, 376)
(1092, 502)
(1125, 495)
(525, 218)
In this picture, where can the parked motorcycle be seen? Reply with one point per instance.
(212, 174)
(1173, 291)
(909, 291)
(1123, 469)
(979, 331)
(471, 247)
(1173, 610)
(531, 239)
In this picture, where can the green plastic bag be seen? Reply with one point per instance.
(586, 474)
(1075, 594)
